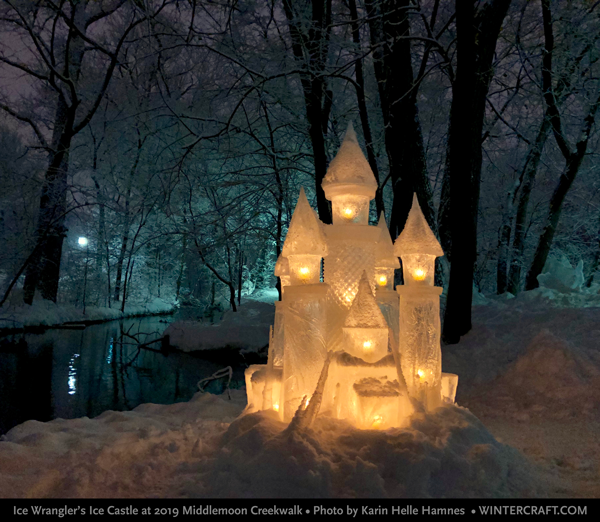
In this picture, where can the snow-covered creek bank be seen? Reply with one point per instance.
(75, 373)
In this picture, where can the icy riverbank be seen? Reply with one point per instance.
(47, 314)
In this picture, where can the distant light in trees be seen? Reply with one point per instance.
(83, 241)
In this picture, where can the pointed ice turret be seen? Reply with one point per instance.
(365, 329)
(385, 257)
(304, 244)
(418, 247)
(417, 237)
(364, 312)
(349, 167)
(305, 235)
(349, 183)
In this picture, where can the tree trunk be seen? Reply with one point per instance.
(504, 242)
(528, 175)
(477, 34)
(44, 271)
(310, 48)
(403, 136)
(545, 241)
(181, 268)
(573, 156)
(121, 260)
(362, 106)
(595, 264)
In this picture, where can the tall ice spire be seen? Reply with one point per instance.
(305, 234)
(417, 237)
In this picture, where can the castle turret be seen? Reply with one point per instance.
(365, 328)
(349, 183)
(421, 355)
(418, 247)
(304, 244)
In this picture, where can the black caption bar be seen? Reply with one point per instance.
(338, 508)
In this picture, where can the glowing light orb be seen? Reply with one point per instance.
(421, 374)
(377, 420)
(83, 241)
(276, 407)
(304, 272)
(419, 274)
(348, 212)
(382, 281)
(367, 345)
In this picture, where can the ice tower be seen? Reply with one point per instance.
(383, 346)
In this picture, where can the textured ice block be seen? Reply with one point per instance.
(255, 376)
(421, 355)
(449, 386)
(305, 351)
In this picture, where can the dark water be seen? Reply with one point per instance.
(75, 373)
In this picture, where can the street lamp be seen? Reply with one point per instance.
(84, 242)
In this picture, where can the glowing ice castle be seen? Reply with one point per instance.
(376, 350)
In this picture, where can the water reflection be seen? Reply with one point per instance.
(75, 373)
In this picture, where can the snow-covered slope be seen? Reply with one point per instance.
(197, 449)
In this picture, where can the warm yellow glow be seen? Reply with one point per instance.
(382, 280)
(367, 345)
(304, 272)
(348, 212)
(276, 407)
(377, 420)
(421, 374)
(419, 274)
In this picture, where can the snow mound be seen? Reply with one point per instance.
(551, 378)
(131, 454)
(445, 454)
(203, 449)
(247, 330)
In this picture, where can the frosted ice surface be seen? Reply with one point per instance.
(417, 237)
(385, 256)
(305, 235)
(364, 312)
(350, 165)
(560, 275)
(282, 267)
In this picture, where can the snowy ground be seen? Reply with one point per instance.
(529, 376)
(47, 313)
(530, 371)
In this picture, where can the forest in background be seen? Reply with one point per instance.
(175, 137)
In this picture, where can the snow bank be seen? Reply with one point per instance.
(246, 330)
(47, 313)
(131, 454)
(445, 454)
(552, 378)
(197, 449)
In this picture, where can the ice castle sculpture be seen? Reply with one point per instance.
(382, 347)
